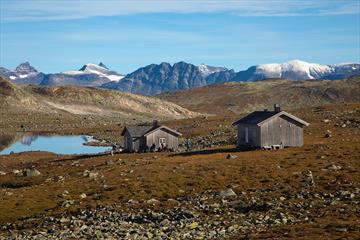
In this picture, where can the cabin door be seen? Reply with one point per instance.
(162, 142)
(246, 135)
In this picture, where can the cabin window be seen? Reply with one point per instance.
(162, 142)
(246, 134)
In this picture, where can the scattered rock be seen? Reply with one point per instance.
(282, 198)
(109, 162)
(2, 173)
(227, 193)
(328, 134)
(31, 172)
(67, 203)
(309, 179)
(89, 174)
(153, 201)
(58, 178)
(82, 196)
(231, 156)
(332, 167)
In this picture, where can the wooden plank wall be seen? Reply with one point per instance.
(281, 130)
(171, 140)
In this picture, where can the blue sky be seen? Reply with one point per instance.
(60, 35)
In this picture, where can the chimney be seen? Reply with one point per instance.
(155, 123)
(277, 107)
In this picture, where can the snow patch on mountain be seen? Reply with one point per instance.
(206, 70)
(100, 70)
(294, 69)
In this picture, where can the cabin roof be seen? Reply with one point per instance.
(144, 130)
(138, 131)
(260, 117)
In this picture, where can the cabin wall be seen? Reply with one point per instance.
(172, 142)
(281, 130)
(128, 142)
(253, 135)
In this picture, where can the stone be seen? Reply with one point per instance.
(58, 178)
(152, 201)
(326, 120)
(109, 162)
(333, 167)
(309, 181)
(65, 193)
(31, 172)
(231, 156)
(89, 174)
(328, 134)
(64, 220)
(132, 201)
(82, 196)
(227, 193)
(282, 198)
(2, 173)
(67, 203)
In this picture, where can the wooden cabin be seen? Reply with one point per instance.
(153, 137)
(270, 129)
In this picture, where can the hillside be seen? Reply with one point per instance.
(78, 101)
(234, 97)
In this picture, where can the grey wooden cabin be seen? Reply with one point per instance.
(153, 137)
(267, 129)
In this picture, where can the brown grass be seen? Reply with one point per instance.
(163, 176)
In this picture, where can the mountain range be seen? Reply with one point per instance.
(90, 75)
(164, 77)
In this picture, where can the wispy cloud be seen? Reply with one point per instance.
(20, 10)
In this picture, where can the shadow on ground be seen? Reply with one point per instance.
(213, 151)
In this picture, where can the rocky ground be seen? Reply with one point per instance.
(213, 192)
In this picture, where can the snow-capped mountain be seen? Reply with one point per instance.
(89, 75)
(206, 70)
(157, 78)
(23, 74)
(100, 70)
(297, 70)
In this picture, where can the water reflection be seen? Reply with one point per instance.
(27, 140)
(48, 143)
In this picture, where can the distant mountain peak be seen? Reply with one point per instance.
(103, 65)
(89, 66)
(25, 68)
(206, 70)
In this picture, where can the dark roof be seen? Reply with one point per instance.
(259, 117)
(141, 130)
(256, 117)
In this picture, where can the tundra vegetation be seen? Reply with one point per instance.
(212, 192)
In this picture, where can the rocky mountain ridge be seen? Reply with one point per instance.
(158, 78)
(90, 75)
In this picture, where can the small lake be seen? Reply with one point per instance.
(55, 144)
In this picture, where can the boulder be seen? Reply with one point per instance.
(227, 193)
(231, 156)
(31, 172)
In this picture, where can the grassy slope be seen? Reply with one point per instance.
(237, 98)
